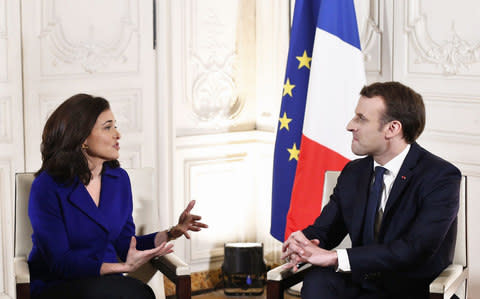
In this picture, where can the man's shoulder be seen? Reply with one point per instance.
(359, 164)
(428, 162)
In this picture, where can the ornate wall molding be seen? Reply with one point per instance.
(6, 234)
(3, 42)
(212, 73)
(91, 54)
(441, 107)
(370, 31)
(213, 94)
(452, 55)
(6, 119)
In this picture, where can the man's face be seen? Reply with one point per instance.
(368, 133)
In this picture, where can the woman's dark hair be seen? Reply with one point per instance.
(401, 103)
(63, 135)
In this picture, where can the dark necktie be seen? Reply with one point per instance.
(372, 206)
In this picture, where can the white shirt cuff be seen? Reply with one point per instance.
(343, 261)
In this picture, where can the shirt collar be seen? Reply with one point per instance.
(393, 166)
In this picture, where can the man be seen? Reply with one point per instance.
(398, 204)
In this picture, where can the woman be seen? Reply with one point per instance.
(81, 210)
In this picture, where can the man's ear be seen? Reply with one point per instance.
(394, 128)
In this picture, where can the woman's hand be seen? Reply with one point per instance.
(136, 258)
(187, 222)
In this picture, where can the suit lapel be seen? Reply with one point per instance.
(403, 177)
(361, 197)
(80, 198)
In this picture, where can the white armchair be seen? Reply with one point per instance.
(146, 220)
(453, 280)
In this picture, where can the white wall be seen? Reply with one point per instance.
(202, 108)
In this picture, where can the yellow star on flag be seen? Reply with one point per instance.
(304, 60)
(287, 88)
(293, 152)
(284, 121)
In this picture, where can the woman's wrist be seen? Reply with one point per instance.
(172, 233)
(111, 268)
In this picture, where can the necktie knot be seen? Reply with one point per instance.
(379, 172)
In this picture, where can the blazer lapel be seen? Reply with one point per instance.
(361, 197)
(80, 198)
(403, 177)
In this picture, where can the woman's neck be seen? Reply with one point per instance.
(95, 168)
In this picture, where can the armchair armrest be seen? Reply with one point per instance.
(22, 274)
(281, 273)
(448, 282)
(279, 279)
(171, 266)
(22, 277)
(177, 271)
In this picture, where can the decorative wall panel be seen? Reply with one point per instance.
(272, 37)
(3, 42)
(11, 135)
(466, 126)
(103, 48)
(215, 61)
(6, 234)
(371, 32)
(6, 119)
(106, 42)
(442, 41)
(213, 52)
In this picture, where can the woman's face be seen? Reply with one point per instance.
(102, 143)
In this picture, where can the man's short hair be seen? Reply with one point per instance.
(402, 104)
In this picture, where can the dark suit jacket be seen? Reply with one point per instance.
(417, 236)
(72, 237)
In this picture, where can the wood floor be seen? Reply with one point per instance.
(220, 294)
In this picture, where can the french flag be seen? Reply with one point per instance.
(324, 76)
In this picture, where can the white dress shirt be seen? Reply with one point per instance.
(393, 167)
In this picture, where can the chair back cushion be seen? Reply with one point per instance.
(460, 256)
(329, 183)
(23, 228)
(145, 207)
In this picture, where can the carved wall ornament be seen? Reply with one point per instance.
(214, 91)
(451, 55)
(370, 29)
(216, 64)
(371, 34)
(91, 54)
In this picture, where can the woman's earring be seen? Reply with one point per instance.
(84, 146)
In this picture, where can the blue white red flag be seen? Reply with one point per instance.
(324, 75)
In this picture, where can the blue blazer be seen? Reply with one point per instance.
(417, 236)
(72, 237)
